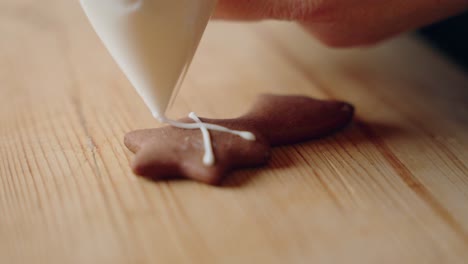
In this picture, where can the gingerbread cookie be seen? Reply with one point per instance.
(206, 149)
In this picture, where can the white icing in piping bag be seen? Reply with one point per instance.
(153, 42)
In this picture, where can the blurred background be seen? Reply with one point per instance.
(450, 37)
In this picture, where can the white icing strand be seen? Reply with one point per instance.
(243, 134)
(208, 158)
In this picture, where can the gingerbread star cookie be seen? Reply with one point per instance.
(213, 147)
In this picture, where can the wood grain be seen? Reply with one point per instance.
(393, 188)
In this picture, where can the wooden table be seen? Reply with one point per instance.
(392, 188)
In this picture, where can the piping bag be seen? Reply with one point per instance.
(152, 41)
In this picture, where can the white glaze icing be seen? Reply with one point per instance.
(208, 158)
(153, 41)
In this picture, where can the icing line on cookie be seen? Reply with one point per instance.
(208, 158)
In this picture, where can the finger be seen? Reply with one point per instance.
(267, 9)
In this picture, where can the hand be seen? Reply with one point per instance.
(345, 23)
